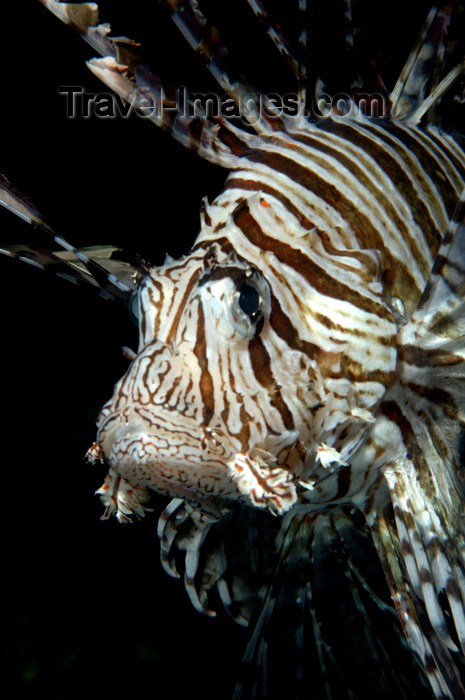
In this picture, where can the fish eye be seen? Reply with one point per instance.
(236, 296)
(249, 304)
(250, 301)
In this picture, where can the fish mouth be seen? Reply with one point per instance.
(166, 452)
(116, 428)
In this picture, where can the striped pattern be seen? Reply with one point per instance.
(331, 224)
(337, 228)
(305, 360)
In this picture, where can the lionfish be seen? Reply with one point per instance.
(298, 390)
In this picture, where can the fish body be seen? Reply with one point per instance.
(298, 380)
(299, 401)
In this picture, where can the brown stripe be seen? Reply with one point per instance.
(206, 382)
(392, 411)
(261, 365)
(181, 304)
(441, 152)
(204, 213)
(440, 267)
(369, 267)
(317, 277)
(326, 191)
(422, 357)
(360, 174)
(244, 433)
(282, 326)
(394, 169)
(231, 140)
(398, 277)
(224, 243)
(432, 166)
(149, 361)
(439, 397)
(255, 186)
(356, 372)
(384, 340)
(446, 148)
(343, 481)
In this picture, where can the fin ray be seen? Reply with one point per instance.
(93, 265)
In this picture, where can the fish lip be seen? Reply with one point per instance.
(117, 426)
(127, 430)
(178, 467)
(130, 423)
(111, 436)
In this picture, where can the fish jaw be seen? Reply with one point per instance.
(164, 451)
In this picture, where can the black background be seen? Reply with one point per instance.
(86, 604)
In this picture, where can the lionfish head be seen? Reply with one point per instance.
(224, 401)
(190, 418)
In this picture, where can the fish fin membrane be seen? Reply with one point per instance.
(324, 625)
(422, 556)
(120, 67)
(222, 561)
(93, 266)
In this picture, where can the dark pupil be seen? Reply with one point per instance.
(249, 300)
